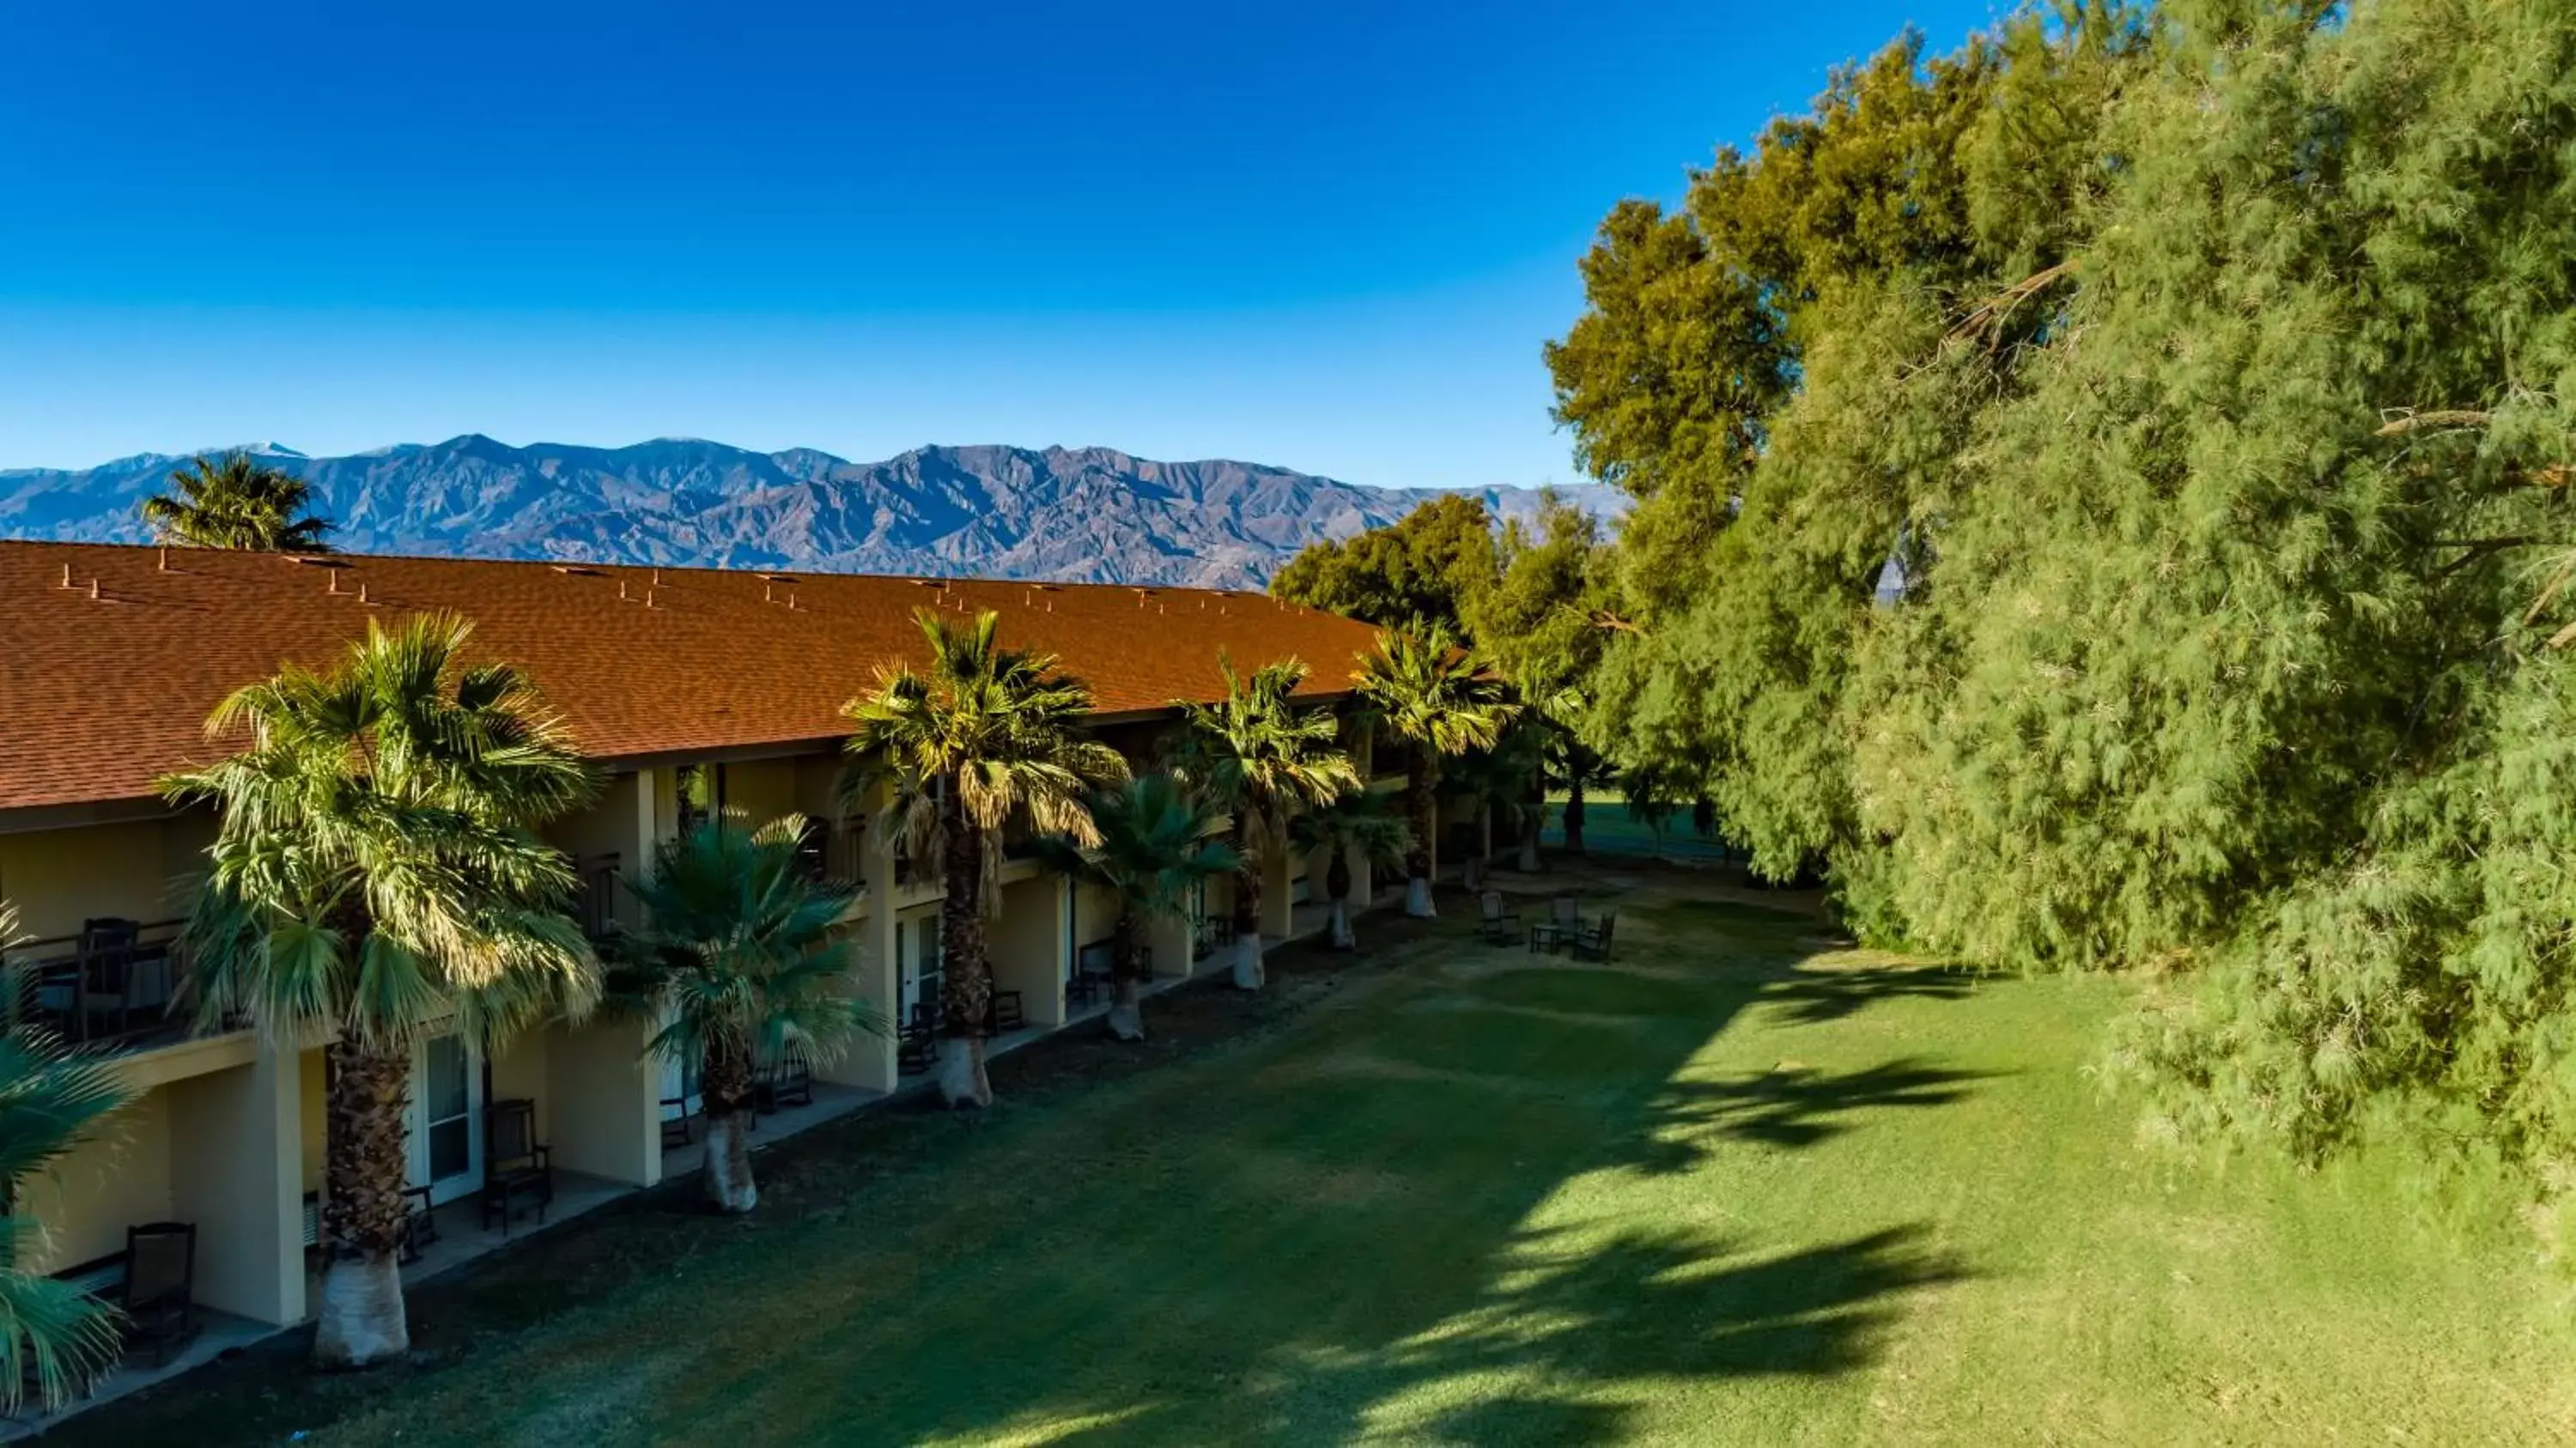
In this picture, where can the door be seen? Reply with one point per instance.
(447, 1118)
(930, 946)
(907, 989)
(916, 949)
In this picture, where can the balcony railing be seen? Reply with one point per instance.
(829, 853)
(115, 984)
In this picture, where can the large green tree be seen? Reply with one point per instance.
(2103, 495)
(1262, 757)
(237, 502)
(376, 879)
(1545, 626)
(951, 753)
(738, 964)
(1427, 564)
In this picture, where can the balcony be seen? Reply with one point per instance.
(114, 986)
(829, 853)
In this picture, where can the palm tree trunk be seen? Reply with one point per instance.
(1573, 807)
(1126, 1009)
(1251, 971)
(967, 983)
(725, 1078)
(1337, 888)
(1422, 802)
(1482, 860)
(365, 1163)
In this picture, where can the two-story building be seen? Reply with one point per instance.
(692, 690)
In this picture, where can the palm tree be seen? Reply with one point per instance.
(1570, 758)
(1257, 755)
(983, 735)
(1419, 685)
(738, 957)
(1501, 781)
(377, 879)
(239, 503)
(51, 1100)
(1359, 823)
(1157, 841)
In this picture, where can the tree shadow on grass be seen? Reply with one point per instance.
(1570, 1326)
(1388, 1282)
(1816, 997)
(1788, 1107)
(1326, 1235)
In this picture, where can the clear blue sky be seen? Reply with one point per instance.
(1330, 236)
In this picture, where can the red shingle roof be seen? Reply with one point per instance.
(100, 695)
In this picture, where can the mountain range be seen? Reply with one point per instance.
(1070, 514)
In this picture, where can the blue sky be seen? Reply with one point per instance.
(1329, 236)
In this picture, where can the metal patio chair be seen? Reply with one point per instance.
(160, 1294)
(1593, 942)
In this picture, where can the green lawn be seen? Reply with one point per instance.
(1740, 1188)
(1611, 828)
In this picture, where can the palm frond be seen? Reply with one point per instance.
(51, 1100)
(377, 868)
(236, 502)
(1155, 839)
(1362, 823)
(1257, 753)
(993, 733)
(739, 945)
(1419, 684)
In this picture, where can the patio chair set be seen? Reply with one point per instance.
(775, 1086)
(1564, 930)
(1215, 932)
(518, 1182)
(916, 1045)
(420, 1227)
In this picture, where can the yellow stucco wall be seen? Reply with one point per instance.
(761, 790)
(519, 1071)
(117, 1180)
(1095, 914)
(818, 784)
(231, 1169)
(1027, 947)
(606, 828)
(601, 1096)
(145, 870)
